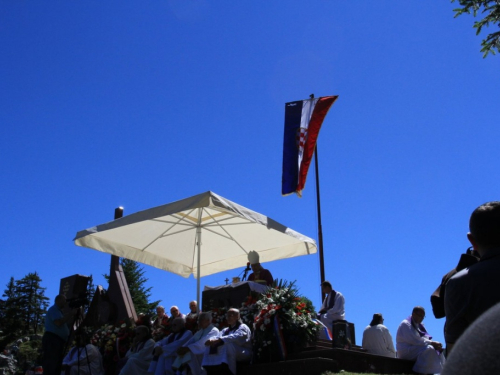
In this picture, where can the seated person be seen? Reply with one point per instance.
(192, 317)
(414, 343)
(144, 320)
(84, 358)
(161, 317)
(140, 354)
(258, 272)
(191, 354)
(161, 325)
(165, 350)
(232, 344)
(377, 338)
(332, 308)
(174, 313)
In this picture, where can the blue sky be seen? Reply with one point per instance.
(140, 103)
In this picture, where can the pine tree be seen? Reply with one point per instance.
(31, 299)
(10, 320)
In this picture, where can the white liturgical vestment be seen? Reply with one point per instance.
(378, 340)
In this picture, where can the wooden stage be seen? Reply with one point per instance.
(322, 357)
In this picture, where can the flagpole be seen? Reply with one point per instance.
(320, 227)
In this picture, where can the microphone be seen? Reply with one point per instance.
(248, 267)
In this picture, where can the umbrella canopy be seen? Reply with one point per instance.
(200, 235)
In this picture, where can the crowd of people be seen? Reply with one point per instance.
(202, 349)
(190, 344)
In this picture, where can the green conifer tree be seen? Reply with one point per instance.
(32, 301)
(11, 316)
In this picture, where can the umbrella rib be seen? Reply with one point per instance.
(173, 225)
(221, 227)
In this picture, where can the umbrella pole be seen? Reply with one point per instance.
(198, 239)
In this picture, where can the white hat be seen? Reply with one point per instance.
(253, 257)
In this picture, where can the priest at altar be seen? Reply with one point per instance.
(259, 273)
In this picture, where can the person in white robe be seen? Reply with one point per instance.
(139, 356)
(377, 339)
(83, 359)
(332, 308)
(232, 344)
(414, 343)
(166, 350)
(191, 354)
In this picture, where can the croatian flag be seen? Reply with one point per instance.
(303, 120)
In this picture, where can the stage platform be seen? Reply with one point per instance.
(322, 357)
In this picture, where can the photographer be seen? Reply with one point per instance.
(55, 336)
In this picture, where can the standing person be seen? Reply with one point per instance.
(475, 289)
(84, 358)
(377, 339)
(233, 343)
(332, 308)
(414, 343)
(259, 273)
(55, 336)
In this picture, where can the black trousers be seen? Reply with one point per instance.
(53, 353)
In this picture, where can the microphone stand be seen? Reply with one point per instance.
(245, 274)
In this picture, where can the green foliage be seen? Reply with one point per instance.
(29, 354)
(31, 298)
(491, 9)
(10, 314)
(23, 309)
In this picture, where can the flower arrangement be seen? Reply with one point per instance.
(283, 322)
(113, 342)
(249, 310)
(219, 318)
(280, 319)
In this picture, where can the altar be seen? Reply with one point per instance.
(230, 295)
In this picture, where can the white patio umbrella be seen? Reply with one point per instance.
(200, 235)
